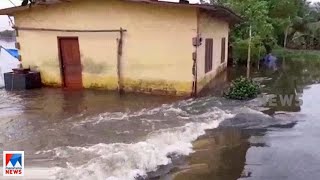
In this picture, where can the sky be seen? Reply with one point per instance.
(4, 21)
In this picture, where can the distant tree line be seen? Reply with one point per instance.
(284, 23)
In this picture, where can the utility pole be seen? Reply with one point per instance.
(286, 34)
(249, 53)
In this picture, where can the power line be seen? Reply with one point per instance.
(16, 6)
(8, 15)
(12, 3)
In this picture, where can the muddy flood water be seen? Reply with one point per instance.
(99, 135)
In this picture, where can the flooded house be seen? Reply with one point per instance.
(146, 46)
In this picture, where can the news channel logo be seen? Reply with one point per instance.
(275, 100)
(13, 163)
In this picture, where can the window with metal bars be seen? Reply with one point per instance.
(208, 55)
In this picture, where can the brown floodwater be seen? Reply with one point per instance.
(101, 135)
(270, 153)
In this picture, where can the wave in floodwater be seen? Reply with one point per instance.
(127, 161)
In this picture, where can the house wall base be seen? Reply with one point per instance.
(154, 87)
(208, 78)
(158, 87)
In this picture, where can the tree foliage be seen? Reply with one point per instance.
(298, 20)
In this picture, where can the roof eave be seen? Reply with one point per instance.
(227, 13)
(11, 11)
(222, 12)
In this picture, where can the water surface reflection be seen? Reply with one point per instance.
(278, 152)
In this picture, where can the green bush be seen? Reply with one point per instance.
(243, 89)
(240, 52)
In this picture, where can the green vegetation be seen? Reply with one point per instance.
(284, 23)
(243, 89)
(297, 54)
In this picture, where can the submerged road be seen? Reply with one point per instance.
(99, 135)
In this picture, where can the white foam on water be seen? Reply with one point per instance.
(121, 161)
(165, 110)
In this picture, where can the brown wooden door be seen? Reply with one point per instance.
(71, 68)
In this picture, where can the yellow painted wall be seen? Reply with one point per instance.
(210, 27)
(156, 51)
